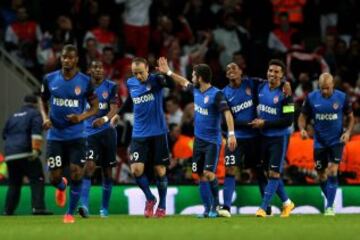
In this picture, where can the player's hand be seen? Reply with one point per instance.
(304, 134)
(345, 137)
(231, 141)
(98, 122)
(74, 118)
(47, 124)
(287, 89)
(115, 120)
(257, 123)
(163, 66)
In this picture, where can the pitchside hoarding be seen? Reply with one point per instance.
(186, 200)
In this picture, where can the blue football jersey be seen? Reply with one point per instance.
(242, 104)
(209, 106)
(272, 104)
(327, 114)
(106, 92)
(66, 97)
(147, 98)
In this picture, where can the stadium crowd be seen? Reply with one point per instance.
(311, 36)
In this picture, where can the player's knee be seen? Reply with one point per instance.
(89, 168)
(230, 170)
(107, 172)
(55, 179)
(137, 170)
(332, 169)
(273, 174)
(322, 175)
(160, 170)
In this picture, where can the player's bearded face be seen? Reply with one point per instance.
(140, 71)
(274, 74)
(195, 80)
(69, 60)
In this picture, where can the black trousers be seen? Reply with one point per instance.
(32, 169)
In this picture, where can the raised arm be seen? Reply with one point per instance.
(163, 67)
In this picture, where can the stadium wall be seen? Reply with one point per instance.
(186, 200)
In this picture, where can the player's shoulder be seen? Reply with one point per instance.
(51, 75)
(314, 94)
(339, 93)
(83, 77)
(132, 81)
(110, 83)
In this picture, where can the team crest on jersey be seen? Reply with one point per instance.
(206, 99)
(77, 90)
(276, 99)
(248, 91)
(335, 105)
(105, 94)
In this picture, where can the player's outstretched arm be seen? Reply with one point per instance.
(163, 67)
(231, 141)
(302, 125)
(351, 122)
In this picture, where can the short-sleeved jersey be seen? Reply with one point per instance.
(106, 92)
(66, 97)
(242, 104)
(147, 98)
(327, 114)
(272, 105)
(209, 106)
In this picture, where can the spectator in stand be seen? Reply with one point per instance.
(8, 14)
(173, 110)
(91, 53)
(300, 158)
(229, 39)
(351, 157)
(293, 7)
(137, 25)
(110, 64)
(64, 31)
(102, 34)
(49, 57)
(199, 15)
(279, 40)
(21, 38)
(298, 60)
(305, 86)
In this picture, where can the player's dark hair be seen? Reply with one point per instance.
(138, 60)
(280, 63)
(203, 71)
(70, 48)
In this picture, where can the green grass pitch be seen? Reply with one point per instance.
(123, 227)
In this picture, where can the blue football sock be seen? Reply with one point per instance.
(162, 183)
(75, 189)
(143, 183)
(262, 180)
(281, 191)
(331, 186)
(85, 190)
(323, 188)
(205, 194)
(229, 188)
(106, 193)
(214, 188)
(61, 186)
(269, 192)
